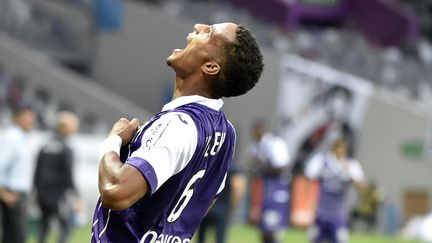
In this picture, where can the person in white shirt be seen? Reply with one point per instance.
(334, 171)
(270, 161)
(15, 175)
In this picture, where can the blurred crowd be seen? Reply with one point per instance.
(66, 30)
(406, 70)
(50, 184)
(16, 90)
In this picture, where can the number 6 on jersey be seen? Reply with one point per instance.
(185, 197)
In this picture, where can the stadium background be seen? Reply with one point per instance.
(106, 59)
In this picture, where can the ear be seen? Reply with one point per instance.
(210, 68)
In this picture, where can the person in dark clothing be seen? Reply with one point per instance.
(219, 215)
(53, 178)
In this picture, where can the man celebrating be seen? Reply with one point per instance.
(157, 181)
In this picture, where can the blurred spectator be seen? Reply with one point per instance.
(15, 90)
(224, 207)
(16, 13)
(42, 105)
(53, 180)
(270, 159)
(367, 206)
(418, 228)
(15, 175)
(334, 170)
(337, 102)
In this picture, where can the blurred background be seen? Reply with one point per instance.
(364, 65)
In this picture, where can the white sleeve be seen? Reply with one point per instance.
(356, 171)
(8, 151)
(279, 156)
(166, 148)
(314, 167)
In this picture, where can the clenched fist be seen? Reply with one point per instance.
(125, 129)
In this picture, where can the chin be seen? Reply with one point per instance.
(170, 60)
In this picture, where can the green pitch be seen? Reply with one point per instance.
(246, 234)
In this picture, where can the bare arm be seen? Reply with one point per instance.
(120, 185)
(238, 185)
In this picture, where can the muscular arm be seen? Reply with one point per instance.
(120, 185)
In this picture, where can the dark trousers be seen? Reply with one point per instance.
(368, 220)
(220, 222)
(13, 222)
(64, 219)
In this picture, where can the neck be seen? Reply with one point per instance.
(191, 86)
(21, 127)
(338, 156)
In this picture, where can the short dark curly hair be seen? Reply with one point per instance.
(242, 67)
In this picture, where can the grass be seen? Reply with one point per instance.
(245, 234)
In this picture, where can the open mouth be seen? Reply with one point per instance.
(188, 41)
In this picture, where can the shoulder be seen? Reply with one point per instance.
(231, 126)
(354, 163)
(279, 142)
(175, 119)
(13, 135)
(318, 158)
(169, 127)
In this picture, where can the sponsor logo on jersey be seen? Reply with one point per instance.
(154, 237)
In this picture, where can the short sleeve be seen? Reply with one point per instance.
(279, 156)
(8, 151)
(356, 171)
(314, 167)
(166, 148)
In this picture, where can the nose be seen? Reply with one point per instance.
(200, 27)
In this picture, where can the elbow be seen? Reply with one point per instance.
(112, 199)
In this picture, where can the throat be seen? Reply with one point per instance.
(192, 87)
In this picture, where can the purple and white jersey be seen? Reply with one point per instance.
(184, 153)
(334, 179)
(272, 151)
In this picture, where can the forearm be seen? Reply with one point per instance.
(238, 184)
(109, 171)
(112, 180)
(120, 185)
(360, 185)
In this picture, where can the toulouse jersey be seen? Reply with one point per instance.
(334, 180)
(272, 151)
(183, 153)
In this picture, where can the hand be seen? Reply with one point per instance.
(125, 129)
(9, 198)
(79, 206)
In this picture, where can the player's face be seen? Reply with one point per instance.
(204, 44)
(26, 120)
(258, 133)
(340, 150)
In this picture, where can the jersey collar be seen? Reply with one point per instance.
(215, 104)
